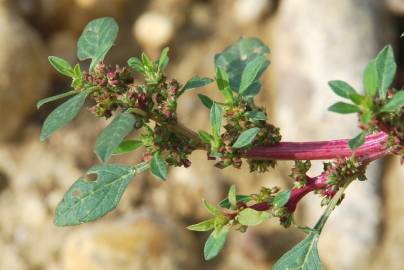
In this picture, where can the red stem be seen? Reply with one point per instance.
(320, 150)
(375, 147)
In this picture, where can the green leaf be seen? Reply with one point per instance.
(158, 166)
(203, 226)
(222, 81)
(232, 196)
(235, 58)
(61, 66)
(78, 77)
(163, 60)
(215, 243)
(196, 82)
(216, 120)
(240, 198)
(113, 134)
(136, 64)
(256, 116)
(205, 137)
(357, 141)
(87, 199)
(395, 103)
(370, 79)
(50, 99)
(127, 146)
(206, 101)
(366, 116)
(251, 217)
(246, 137)
(213, 210)
(344, 90)
(251, 75)
(77, 71)
(97, 39)
(282, 198)
(344, 108)
(147, 62)
(62, 115)
(386, 70)
(304, 256)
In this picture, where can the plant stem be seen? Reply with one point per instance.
(320, 181)
(321, 150)
(330, 207)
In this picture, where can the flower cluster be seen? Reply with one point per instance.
(339, 173)
(239, 117)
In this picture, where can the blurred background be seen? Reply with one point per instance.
(311, 43)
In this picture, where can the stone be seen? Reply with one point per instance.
(250, 11)
(388, 254)
(311, 46)
(153, 29)
(23, 72)
(9, 258)
(395, 6)
(137, 241)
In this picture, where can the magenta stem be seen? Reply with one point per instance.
(375, 147)
(320, 150)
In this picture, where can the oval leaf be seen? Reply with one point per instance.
(282, 198)
(216, 120)
(344, 90)
(196, 82)
(206, 101)
(304, 256)
(127, 146)
(222, 82)
(96, 40)
(251, 217)
(213, 210)
(62, 115)
(215, 243)
(232, 196)
(113, 135)
(246, 137)
(61, 66)
(395, 103)
(235, 58)
(240, 198)
(386, 70)
(50, 99)
(251, 75)
(87, 200)
(203, 226)
(344, 108)
(205, 137)
(370, 79)
(163, 60)
(158, 166)
(256, 116)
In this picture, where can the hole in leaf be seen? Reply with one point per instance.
(91, 177)
(243, 57)
(77, 193)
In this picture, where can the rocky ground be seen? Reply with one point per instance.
(312, 42)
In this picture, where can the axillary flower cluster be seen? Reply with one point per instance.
(239, 130)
